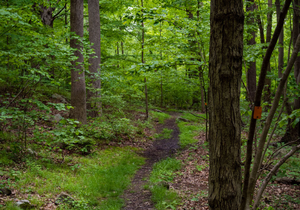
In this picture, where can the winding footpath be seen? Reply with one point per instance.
(136, 197)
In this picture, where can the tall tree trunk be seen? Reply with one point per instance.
(95, 59)
(225, 70)
(78, 91)
(143, 61)
(280, 42)
(200, 69)
(161, 72)
(267, 96)
(251, 73)
(296, 31)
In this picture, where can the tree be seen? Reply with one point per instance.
(78, 91)
(267, 95)
(225, 70)
(95, 58)
(251, 73)
(143, 61)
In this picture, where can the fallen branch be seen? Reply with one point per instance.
(197, 116)
(287, 180)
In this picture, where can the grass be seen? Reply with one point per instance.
(164, 172)
(165, 134)
(188, 131)
(11, 206)
(94, 181)
(160, 116)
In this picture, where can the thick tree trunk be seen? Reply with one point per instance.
(251, 73)
(225, 70)
(78, 91)
(95, 59)
(46, 14)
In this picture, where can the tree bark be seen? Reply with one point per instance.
(251, 73)
(267, 96)
(280, 42)
(95, 59)
(78, 91)
(225, 70)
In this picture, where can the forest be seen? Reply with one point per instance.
(149, 104)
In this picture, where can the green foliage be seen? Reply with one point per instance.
(10, 206)
(291, 168)
(295, 116)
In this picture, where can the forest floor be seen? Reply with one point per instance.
(189, 181)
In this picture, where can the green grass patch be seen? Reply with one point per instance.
(188, 131)
(10, 206)
(165, 134)
(160, 116)
(162, 174)
(95, 181)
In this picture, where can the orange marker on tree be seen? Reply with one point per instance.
(257, 112)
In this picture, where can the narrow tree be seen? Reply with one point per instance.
(296, 31)
(267, 95)
(143, 61)
(95, 59)
(251, 73)
(225, 70)
(78, 91)
(280, 42)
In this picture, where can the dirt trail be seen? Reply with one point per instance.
(136, 197)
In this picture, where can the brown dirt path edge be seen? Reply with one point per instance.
(136, 197)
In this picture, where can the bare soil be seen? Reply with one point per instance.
(136, 197)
